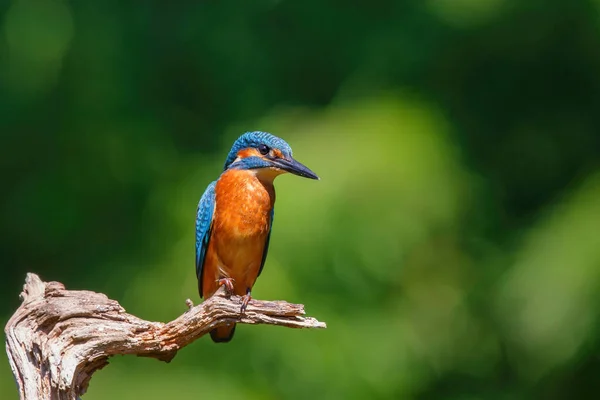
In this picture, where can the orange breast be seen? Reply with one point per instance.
(241, 223)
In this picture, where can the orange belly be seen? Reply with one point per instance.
(241, 224)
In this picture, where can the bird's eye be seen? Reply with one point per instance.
(264, 149)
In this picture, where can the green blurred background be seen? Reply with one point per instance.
(452, 244)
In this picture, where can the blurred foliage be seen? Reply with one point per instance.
(452, 244)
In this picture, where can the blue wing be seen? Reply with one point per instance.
(204, 217)
(264, 256)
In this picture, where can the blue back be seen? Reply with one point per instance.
(204, 218)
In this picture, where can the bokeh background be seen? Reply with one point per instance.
(452, 244)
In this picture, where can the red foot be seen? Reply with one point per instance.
(245, 300)
(228, 282)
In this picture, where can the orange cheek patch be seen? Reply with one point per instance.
(277, 153)
(245, 153)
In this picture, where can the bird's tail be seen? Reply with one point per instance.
(223, 334)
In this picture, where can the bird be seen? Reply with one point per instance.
(235, 216)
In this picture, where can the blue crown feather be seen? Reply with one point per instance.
(255, 139)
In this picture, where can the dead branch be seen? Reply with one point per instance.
(58, 338)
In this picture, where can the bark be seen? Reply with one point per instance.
(58, 338)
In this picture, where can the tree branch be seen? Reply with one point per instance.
(58, 338)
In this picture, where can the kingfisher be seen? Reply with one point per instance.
(235, 217)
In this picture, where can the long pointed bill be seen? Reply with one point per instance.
(295, 168)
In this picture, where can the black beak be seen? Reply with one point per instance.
(294, 167)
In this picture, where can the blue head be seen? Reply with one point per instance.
(261, 150)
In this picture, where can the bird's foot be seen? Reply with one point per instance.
(228, 283)
(245, 300)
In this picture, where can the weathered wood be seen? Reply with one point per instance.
(58, 338)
